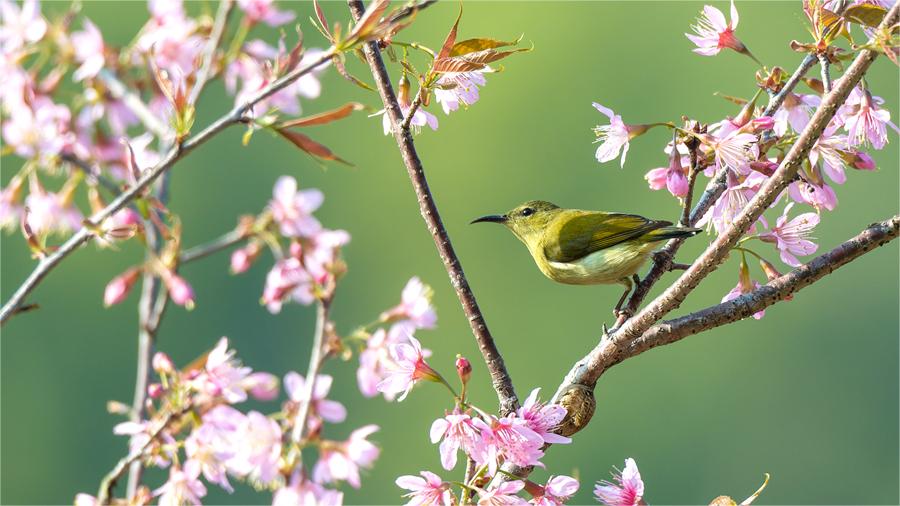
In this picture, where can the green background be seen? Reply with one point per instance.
(808, 394)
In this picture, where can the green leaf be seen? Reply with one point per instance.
(472, 45)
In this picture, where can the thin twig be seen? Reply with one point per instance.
(427, 207)
(91, 172)
(412, 9)
(209, 53)
(417, 102)
(84, 234)
(312, 372)
(218, 244)
(109, 481)
(135, 103)
(824, 66)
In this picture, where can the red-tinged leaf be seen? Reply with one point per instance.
(471, 45)
(324, 117)
(865, 14)
(342, 70)
(294, 56)
(369, 19)
(815, 85)
(131, 161)
(322, 21)
(451, 38)
(472, 61)
(310, 146)
(734, 100)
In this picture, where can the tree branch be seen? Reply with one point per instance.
(135, 104)
(84, 234)
(877, 234)
(218, 244)
(499, 376)
(612, 348)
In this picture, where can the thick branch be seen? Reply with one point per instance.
(499, 376)
(613, 348)
(84, 234)
(877, 234)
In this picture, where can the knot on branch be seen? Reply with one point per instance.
(580, 404)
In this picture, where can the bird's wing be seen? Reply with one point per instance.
(579, 236)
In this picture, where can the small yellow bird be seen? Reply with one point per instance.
(579, 247)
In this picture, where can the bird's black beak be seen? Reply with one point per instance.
(492, 218)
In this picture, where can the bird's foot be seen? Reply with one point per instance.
(621, 316)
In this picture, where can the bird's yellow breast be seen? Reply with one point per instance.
(606, 266)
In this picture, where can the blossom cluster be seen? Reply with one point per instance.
(195, 429)
(748, 147)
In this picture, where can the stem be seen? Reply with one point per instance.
(312, 372)
(177, 152)
(825, 65)
(215, 38)
(218, 244)
(499, 376)
(135, 103)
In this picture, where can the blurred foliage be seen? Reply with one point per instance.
(808, 394)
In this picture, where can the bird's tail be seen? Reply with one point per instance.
(673, 232)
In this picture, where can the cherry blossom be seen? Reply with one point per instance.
(342, 461)
(265, 11)
(20, 26)
(673, 177)
(415, 306)
(455, 431)
(430, 489)
(257, 448)
(328, 410)
(292, 208)
(407, 369)
(224, 376)
(791, 236)
(455, 88)
(510, 438)
(503, 494)
(745, 285)
(183, 486)
(714, 33)
(867, 123)
(543, 418)
(613, 138)
(557, 491)
(89, 51)
(628, 489)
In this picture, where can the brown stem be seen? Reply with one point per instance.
(499, 376)
(775, 291)
(216, 245)
(312, 372)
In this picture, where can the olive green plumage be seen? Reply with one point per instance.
(580, 247)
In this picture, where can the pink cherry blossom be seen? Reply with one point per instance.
(375, 361)
(287, 281)
(503, 494)
(300, 492)
(223, 375)
(795, 112)
(41, 130)
(428, 490)
(85, 500)
(415, 306)
(257, 449)
(292, 208)
(170, 37)
(543, 418)
(211, 445)
(265, 11)
(183, 486)
(867, 123)
(255, 72)
(821, 196)
(628, 489)
(829, 150)
(791, 237)
(714, 33)
(557, 491)
(341, 462)
(20, 26)
(736, 150)
(89, 51)
(862, 161)
(613, 138)
(455, 431)
(10, 203)
(510, 438)
(673, 177)
(739, 191)
(49, 212)
(322, 251)
(455, 88)
(407, 369)
(328, 410)
(261, 386)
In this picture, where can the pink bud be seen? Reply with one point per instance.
(161, 363)
(764, 123)
(243, 258)
(155, 390)
(180, 291)
(463, 369)
(863, 161)
(262, 386)
(296, 249)
(764, 167)
(119, 287)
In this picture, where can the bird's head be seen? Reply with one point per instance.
(526, 221)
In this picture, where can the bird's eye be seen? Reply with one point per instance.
(527, 211)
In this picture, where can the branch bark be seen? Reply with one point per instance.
(178, 152)
(427, 207)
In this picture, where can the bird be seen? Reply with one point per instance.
(579, 247)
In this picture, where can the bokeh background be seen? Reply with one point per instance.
(808, 394)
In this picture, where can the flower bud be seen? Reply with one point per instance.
(764, 167)
(863, 161)
(296, 249)
(771, 273)
(180, 291)
(463, 369)
(162, 364)
(155, 390)
(117, 408)
(262, 386)
(243, 258)
(118, 288)
(762, 124)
